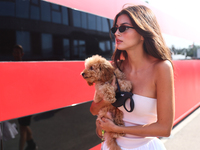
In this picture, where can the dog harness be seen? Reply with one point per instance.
(122, 97)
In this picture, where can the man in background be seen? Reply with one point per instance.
(18, 52)
(24, 122)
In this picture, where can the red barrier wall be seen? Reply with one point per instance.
(34, 87)
(187, 87)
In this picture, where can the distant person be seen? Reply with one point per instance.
(26, 134)
(18, 52)
(24, 122)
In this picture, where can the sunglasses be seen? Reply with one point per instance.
(121, 29)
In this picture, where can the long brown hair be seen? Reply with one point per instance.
(145, 23)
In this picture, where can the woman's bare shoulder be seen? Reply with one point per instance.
(163, 70)
(164, 65)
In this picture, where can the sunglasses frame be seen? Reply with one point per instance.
(120, 28)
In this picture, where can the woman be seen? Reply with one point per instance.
(142, 55)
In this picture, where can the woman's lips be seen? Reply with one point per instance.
(118, 41)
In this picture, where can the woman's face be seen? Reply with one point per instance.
(130, 38)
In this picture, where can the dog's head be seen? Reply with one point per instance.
(96, 69)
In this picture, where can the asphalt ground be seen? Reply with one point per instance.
(185, 135)
(54, 130)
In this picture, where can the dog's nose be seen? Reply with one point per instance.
(83, 74)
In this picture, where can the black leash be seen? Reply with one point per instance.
(122, 97)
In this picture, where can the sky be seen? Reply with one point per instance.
(187, 11)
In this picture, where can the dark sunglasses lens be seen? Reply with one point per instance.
(122, 28)
(113, 30)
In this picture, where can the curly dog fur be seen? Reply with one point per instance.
(100, 71)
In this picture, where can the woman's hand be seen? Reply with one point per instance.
(106, 124)
(95, 107)
(98, 129)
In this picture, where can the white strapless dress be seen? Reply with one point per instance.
(145, 112)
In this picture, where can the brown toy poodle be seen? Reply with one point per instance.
(101, 72)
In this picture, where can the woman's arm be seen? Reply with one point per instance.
(95, 107)
(164, 81)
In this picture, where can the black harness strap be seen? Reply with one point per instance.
(121, 98)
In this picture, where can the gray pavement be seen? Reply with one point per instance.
(186, 135)
(54, 130)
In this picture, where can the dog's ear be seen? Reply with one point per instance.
(106, 71)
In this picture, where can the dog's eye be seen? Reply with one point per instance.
(91, 68)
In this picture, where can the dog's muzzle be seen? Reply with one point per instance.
(83, 75)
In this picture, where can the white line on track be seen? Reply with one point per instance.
(182, 124)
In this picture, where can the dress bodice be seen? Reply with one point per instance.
(144, 112)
